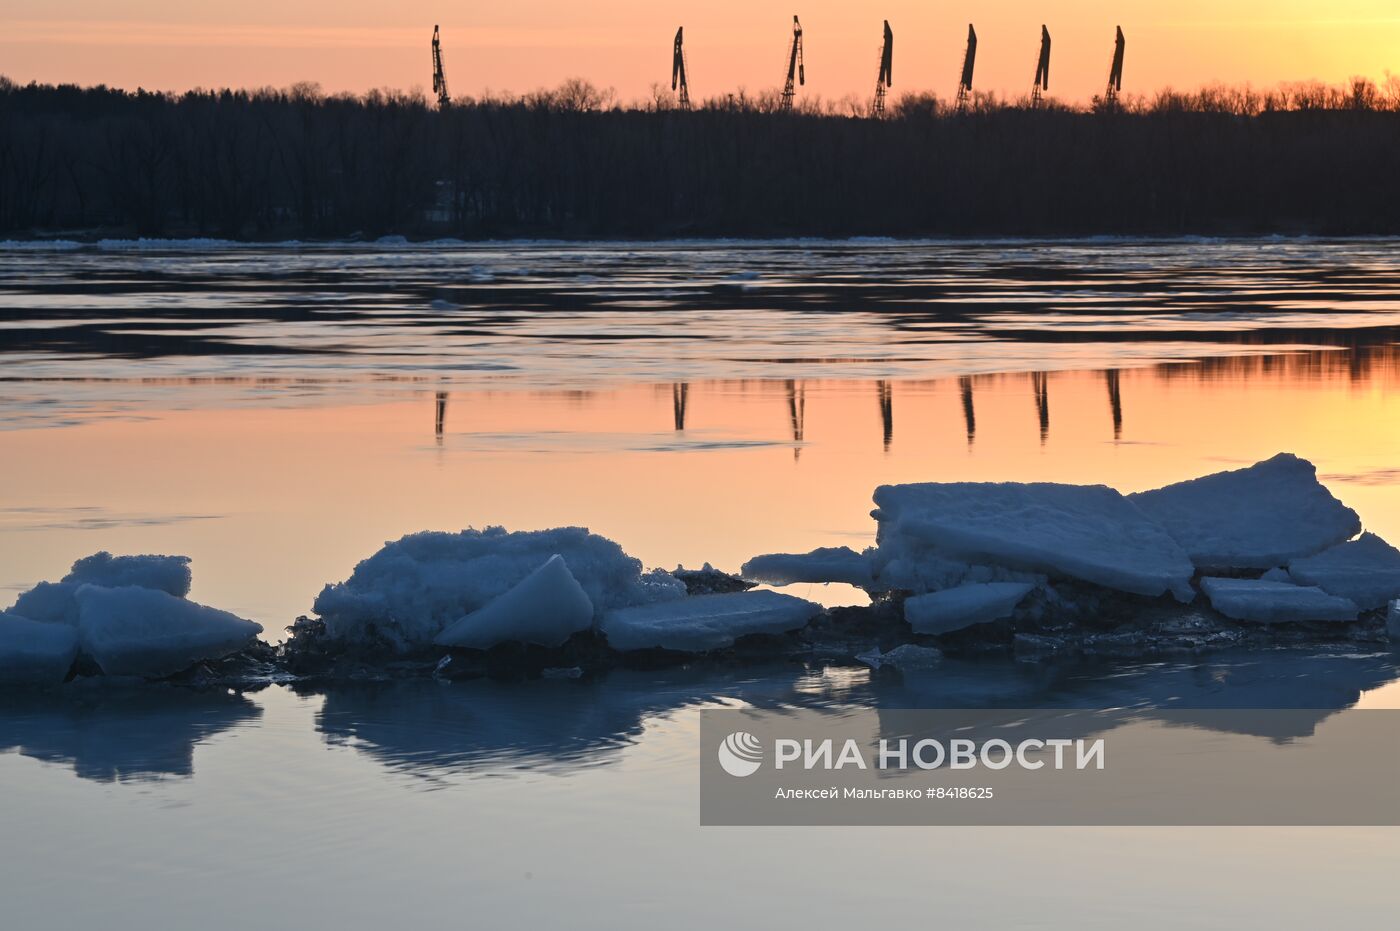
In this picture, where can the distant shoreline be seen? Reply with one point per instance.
(42, 242)
(275, 166)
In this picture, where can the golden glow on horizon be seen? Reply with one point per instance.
(355, 45)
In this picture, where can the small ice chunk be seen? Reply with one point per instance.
(705, 622)
(1277, 574)
(1365, 570)
(53, 602)
(169, 574)
(545, 608)
(956, 608)
(411, 589)
(904, 656)
(824, 564)
(1255, 518)
(133, 631)
(35, 653)
(1266, 602)
(1088, 532)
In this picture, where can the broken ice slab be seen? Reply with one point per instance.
(1266, 602)
(34, 652)
(412, 588)
(134, 631)
(545, 608)
(824, 564)
(705, 622)
(1088, 532)
(1365, 570)
(956, 608)
(1254, 518)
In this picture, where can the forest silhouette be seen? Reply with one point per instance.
(572, 162)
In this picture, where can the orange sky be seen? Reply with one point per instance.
(358, 44)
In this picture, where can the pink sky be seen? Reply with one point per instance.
(358, 44)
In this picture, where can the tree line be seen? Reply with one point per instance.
(574, 162)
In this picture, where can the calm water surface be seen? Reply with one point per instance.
(279, 413)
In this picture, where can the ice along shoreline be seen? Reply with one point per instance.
(1257, 557)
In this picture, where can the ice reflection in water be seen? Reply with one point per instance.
(119, 733)
(435, 730)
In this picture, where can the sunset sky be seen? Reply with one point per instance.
(358, 44)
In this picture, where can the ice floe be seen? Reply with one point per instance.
(133, 631)
(948, 557)
(410, 590)
(54, 602)
(1365, 570)
(1254, 518)
(1088, 532)
(123, 615)
(701, 623)
(545, 608)
(1264, 602)
(956, 608)
(35, 653)
(824, 564)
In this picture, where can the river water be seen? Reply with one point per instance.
(278, 413)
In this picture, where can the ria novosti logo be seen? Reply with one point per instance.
(741, 754)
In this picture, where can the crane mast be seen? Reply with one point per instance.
(1042, 68)
(796, 69)
(885, 76)
(1115, 71)
(969, 59)
(678, 78)
(439, 76)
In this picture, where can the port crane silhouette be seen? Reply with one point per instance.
(679, 84)
(1115, 71)
(796, 75)
(439, 75)
(969, 59)
(885, 76)
(1042, 68)
(796, 69)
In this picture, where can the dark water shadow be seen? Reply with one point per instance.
(136, 734)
